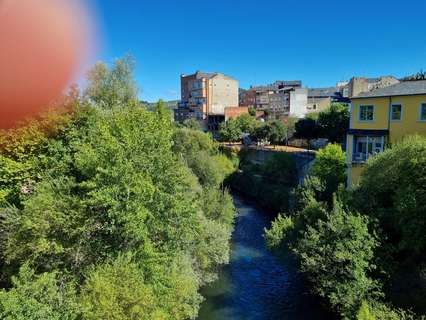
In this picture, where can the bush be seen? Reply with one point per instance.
(118, 291)
(334, 122)
(39, 297)
(336, 254)
(330, 168)
(374, 310)
(392, 190)
(110, 180)
(233, 129)
(281, 168)
(269, 183)
(278, 232)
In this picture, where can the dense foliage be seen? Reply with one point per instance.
(331, 124)
(272, 131)
(330, 168)
(393, 192)
(107, 212)
(363, 251)
(334, 122)
(269, 183)
(234, 129)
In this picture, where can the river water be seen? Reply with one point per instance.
(257, 285)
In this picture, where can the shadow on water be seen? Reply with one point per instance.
(257, 285)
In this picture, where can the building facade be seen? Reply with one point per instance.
(360, 85)
(279, 99)
(382, 117)
(206, 95)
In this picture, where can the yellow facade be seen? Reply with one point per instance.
(366, 138)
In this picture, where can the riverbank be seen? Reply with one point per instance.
(257, 284)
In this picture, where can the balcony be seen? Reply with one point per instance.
(365, 147)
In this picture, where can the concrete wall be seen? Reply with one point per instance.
(223, 92)
(382, 83)
(359, 85)
(318, 104)
(298, 103)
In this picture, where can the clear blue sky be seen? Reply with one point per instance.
(259, 41)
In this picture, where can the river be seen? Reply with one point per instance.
(257, 285)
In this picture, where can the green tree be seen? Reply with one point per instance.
(279, 231)
(201, 154)
(118, 290)
(230, 131)
(290, 128)
(192, 124)
(336, 254)
(39, 297)
(307, 129)
(374, 310)
(273, 131)
(334, 122)
(233, 129)
(112, 87)
(252, 111)
(111, 179)
(330, 168)
(281, 167)
(247, 123)
(392, 190)
(276, 131)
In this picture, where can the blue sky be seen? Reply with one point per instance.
(318, 42)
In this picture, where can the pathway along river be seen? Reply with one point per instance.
(256, 285)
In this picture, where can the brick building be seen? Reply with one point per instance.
(204, 96)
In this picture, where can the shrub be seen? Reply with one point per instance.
(336, 254)
(330, 168)
(39, 297)
(281, 227)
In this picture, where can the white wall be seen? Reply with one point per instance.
(223, 93)
(299, 103)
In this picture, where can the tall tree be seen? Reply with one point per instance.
(334, 122)
(307, 129)
(112, 87)
(330, 168)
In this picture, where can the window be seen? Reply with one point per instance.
(423, 112)
(366, 113)
(396, 113)
(365, 147)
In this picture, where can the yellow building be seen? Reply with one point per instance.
(383, 117)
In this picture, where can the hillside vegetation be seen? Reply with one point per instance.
(362, 250)
(106, 212)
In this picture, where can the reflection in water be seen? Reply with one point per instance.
(256, 285)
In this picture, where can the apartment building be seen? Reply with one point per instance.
(279, 99)
(204, 96)
(381, 117)
(247, 98)
(320, 99)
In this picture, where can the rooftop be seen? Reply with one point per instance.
(205, 75)
(405, 88)
(322, 92)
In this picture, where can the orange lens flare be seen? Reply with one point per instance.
(43, 45)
